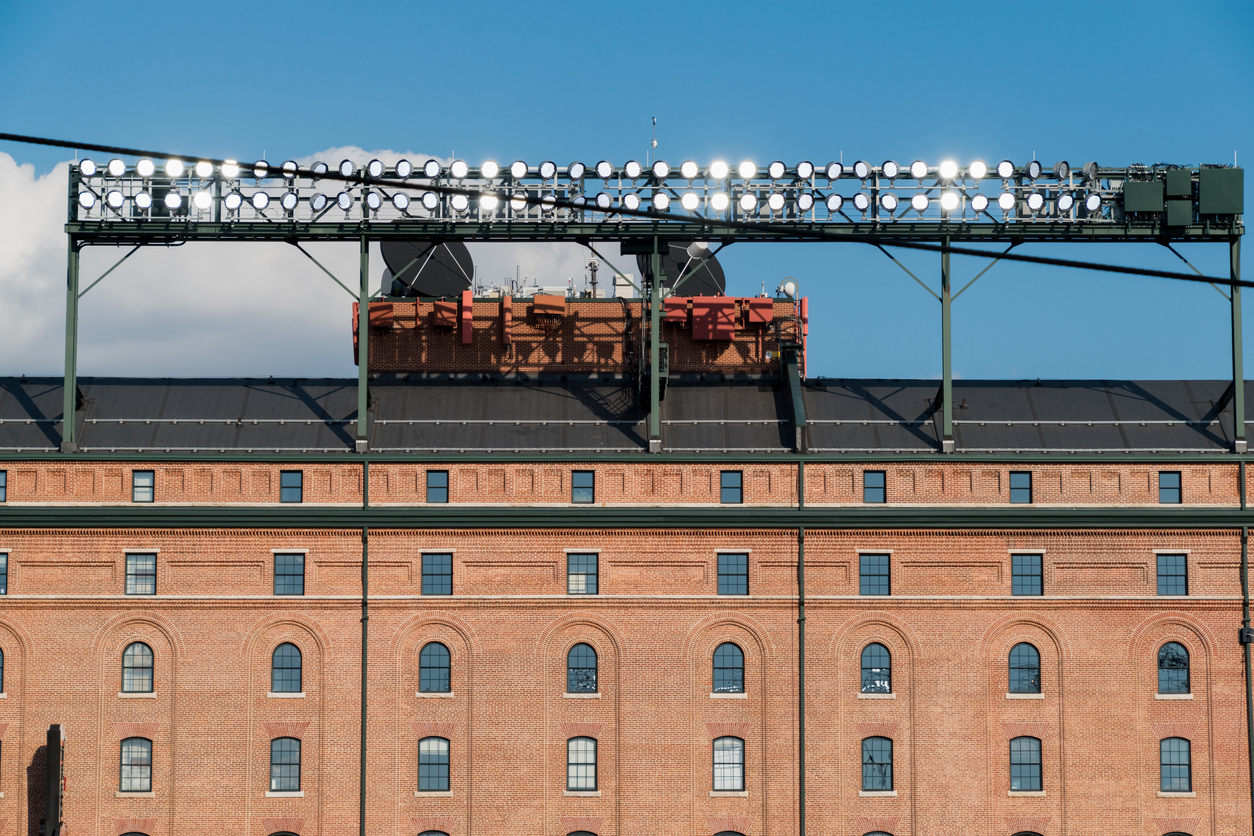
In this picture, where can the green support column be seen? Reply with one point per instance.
(69, 437)
(947, 380)
(1238, 370)
(363, 347)
(655, 353)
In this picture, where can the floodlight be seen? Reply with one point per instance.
(949, 201)
(260, 200)
(233, 201)
(805, 170)
(114, 199)
(319, 168)
(116, 167)
(805, 202)
(632, 170)
(977, 170)
(576, 171)
(719, 201)
(490, 169)
(979, 203)
(697, 250)
(889, 202)
(459, 202)
(919, 203)
(604, 201)
(374, 168)
(661, 201)
(204, 170)
(230, 169)
(203, 200)
(631, 201)
(1005, 169)
(347, 168)
(861, 169)
(401, 201)
(318, 202)
(518, 201)
(834, 170)
(431, 169)
(430, 200)
(344, 200)
(518, 169)
(1036, 201)
(261, 169)
(1006, 201)
(488, 202)
(747, 170)
(890, 169)
(288, 201)
(748, 202)
(404, 168)
(948, 170)
(661, 169)
(548, 203)
(1034, 170)
(688, 170)
(145, 168)
(834, 202)
(605, 169)
(1062, 169)
(374, 201)
(173, 200)
(918, 169)
(459, 169)
(289, 170)
(690, 201)
(718, 170)
(143, 200)
(775, 201)
(1090, 171)
(548, 170)
(86, 199)
(1065, 202)
(776, 170)
(87, 168)
(1093, 203)
(861, 202)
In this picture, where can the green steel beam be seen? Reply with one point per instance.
(1238, 372)
(947, 379)
(363, 348)
(655, 350)
(69, 437)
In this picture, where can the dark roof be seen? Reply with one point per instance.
(593, 415)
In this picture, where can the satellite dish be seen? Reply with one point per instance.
(428, 268)
(708, 280)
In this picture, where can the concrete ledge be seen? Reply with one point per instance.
(433, 695)
(596, 695)
(433, 793)
(1025, 696)
(134, 795)
(889, 696)
(729, 793)
(296, 794)
(877, 794)
(1162, 794)
(1173, 696)
(286, 695)
(1026, 793)
(740, 696)
(4, 696)
(137, 695)
(582, 793)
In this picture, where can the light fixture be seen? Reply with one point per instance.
(548, 203)
(688, 170)
(1089, 170)
(697, 250)
(576, 170)
(918, 169)
(690, 201)
(347, 168)
(173, 200)
(116, 167)
(518, 169)
(919, 203)
(145, 168)
(288, 201)
(747, 170)
(203, 200)
(374, 169)
(260, 200)
(719, 170)
(661, 201)
(776, 170)
(488, 202)
(458, 169)
(548, 170)
(1005, 169)
(319, 168)
(1062, 169)
(1006, 201)
(230, 169)
(632, 170)
(318, 202)
(87, 168)
(289, 170)
(400, 200)
(1036, 202)
(404, 168)
(605, 169)
(631, 201)
(979, 203)
(775, 201)
(1093, 203)
(431, 169)
(890, 169)
(948, 170)
(888, 201)
(114, 199)
(1034, 170)
(834, 170)
(1065, 202)
(805, 170)
(459, 202)
(661, 169)
(834, 202)
(977, 170)
(861, 169)
(143, 200)
(261, 169)
(204, 170)
(430, 200)
(344, 200)
(805, 202)
(604, 201)
(748, 202)
(719, 201)
(374, 201)
(490, 169)
(233, 201)
(948, 201)
(861, 202)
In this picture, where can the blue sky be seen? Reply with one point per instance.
(1113, 82)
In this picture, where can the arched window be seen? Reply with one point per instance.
(1025, 669)
(434, 670)
(729, 669)
(581, 670)
(1173, 669)
(136, 771)
(1175, 765)
(877, 833)
(433, 833)
(729, 833)
(581, 763)
(581, 833)
(877, 764)
(729, 764)
(137, 669)
(433, 764)
(877, 669)
(1, 670)
(285, 664)
(285, 764)
(1025, 764)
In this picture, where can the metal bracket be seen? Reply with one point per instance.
(908, 273)
(982, 272)
(325, 270)
(686, 276)
(110, 270)
(1245, 635)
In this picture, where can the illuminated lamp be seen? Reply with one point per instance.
(919, 203)
(548, 170)
(114, 199)
(1093, 203)
(805, 201)
(889, 202)
(632, 169)
(488, 202)
(688, 170)
(575, 171)
(834, 202)
(861, 202)
(719, 201)
(260, 200)
(404, 168)
(604, 201)
(145, 168)
(661, 169)
(318, 202)
(1006, 201)
(143, 200)
(344, 200)
(518, 201)
(918, 169)
(834, 170)
(203, 200)
(775, 201)
(548, 203)
(490, 169)
(748, 203)
(890, 169)
(1036, 202)
(230, 169)
(805, 170)
(631, 201)
(459, 202)
(518, 169)
(605, 169)
(776, 170)
(347, 168)
(1065, 202)
(261, 169)
(719, 170)
(1005, 169)
(116, 167)
(690, 201)
(87, 168)
(747, 170)
(233, 201)
(204, 170)
(459, 169)
(1034, 170)
(430, 200)
(861, 169)
(431, 169)
(319, 168)
(661, 201)
(400, 200)
(948, 170)
(374, 201)
(948, 201)
(288, 201)
(977, 170)
(173, 200)
(289, 170)
(979, 203)
(374, 169)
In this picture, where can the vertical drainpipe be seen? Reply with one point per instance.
(1246, 637)
(801, 652)
(365, 618)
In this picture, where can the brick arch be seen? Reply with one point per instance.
(1176, 619)
(254, 635)
(843, 637)
(1029, 618)
(114, 626)
(710, 623)
(550, 633)
(417, 622)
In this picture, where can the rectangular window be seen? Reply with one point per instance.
(4, 486)
(136, 772)
(731, 487)
(733, 574)
(1025, 571)
(141, 574)
(873, 574)
(1021, 487)
(1169, 492)
(142, 485)
(583, 486)
(581, 574)
(437, 486)
(292, 486)
(433, 764)
(873, 486)
(437, 574)
(289, 574)
(4, 576)
(1173, 574)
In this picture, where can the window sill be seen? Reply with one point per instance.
(729, 793)
(1162, 794)
(433, 793)
(889, 696)
(877, 794)
(433, 695)
(4, 696)
(1173, 696)
(1025, 696)
(137, 695)
(121, 794)
(285, 695)
(1026, 793)
(741, 696)
(296, 794)
(582, 793)
(593, 696)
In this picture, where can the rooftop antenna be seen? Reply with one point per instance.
(648, 157)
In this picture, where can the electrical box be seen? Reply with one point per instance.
(444, 315)
(1179, 212)
(1179, 182)
(1143, 196)
(675, 310)
(713, 318)
(467, 317)
(1221, 191)
(380, 314)
(760, 311)
(545, 305)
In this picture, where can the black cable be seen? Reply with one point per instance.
(750, 226)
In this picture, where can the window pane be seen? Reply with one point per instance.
(581, 574)
(582, 486)
(581, 763)
(433, 764)
(4, 573)
(437, 486)
(877, 670)
(1169, 492)
(291, 486)
(434, 669)
(285, 669)
(142, 483)
(1025, 669)
(1173, 669)
(285, 765)
(581, 670)
(136, 765)
(873, 486)
(1026, 574)
(137, 669)
(1021, 486)
(874, 574)
(877, 764)
(1025, 764)
(731, 487)
(729, 669)
(729, 764)
(437, 574)
(733, 574)
(289, 574)
(1175, 765)
(4, 486)
(1173, 575)
(141, 574)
